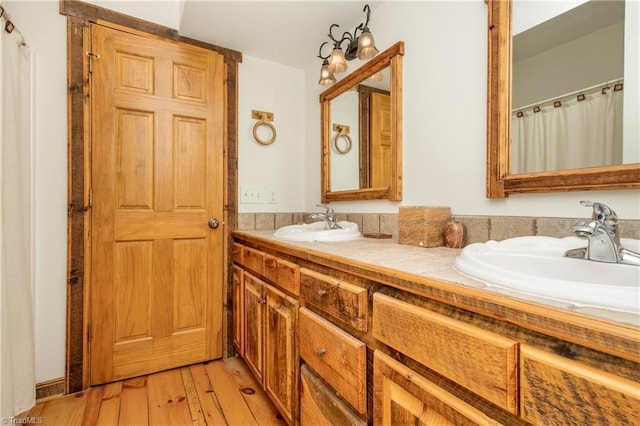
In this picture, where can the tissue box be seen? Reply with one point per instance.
(422, 226)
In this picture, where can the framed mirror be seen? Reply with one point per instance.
(501, 179)
(361, 131)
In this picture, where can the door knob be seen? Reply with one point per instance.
(213, 223)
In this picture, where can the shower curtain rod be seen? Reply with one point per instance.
(568, 95)
(10, 26)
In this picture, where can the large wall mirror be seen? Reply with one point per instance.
(562, 96)
(361, 119)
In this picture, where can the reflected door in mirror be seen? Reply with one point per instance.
(380, 140)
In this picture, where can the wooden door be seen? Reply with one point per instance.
(280, 357)
(380, 135)
(157, 133)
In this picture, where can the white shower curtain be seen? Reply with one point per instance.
(574, 135)
(17, 366)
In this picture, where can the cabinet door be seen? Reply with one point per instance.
(402, 397)
(280, 372)
(238, 310)
(557, 390)
(253, 323)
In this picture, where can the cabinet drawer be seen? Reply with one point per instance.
(339, 358)
(283, 273)
(402, 396)
(320, 406)
(253, 260)
(481, 361)
(556, 390)
(339, 299)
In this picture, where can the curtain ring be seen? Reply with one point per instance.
(265, 119)
(343, 132)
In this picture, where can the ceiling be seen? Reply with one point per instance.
(286, 32)
(578, 22)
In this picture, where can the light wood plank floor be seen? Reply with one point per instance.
(221, 392)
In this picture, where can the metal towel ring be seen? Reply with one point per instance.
(265, 119)
(343, 132)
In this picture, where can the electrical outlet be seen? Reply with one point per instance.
(251, 194)
(272, 195)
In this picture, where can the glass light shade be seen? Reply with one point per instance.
(376, 77)
(326, 77)
(366, 45)
(337, 62)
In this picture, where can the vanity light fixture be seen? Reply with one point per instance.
(359, 46)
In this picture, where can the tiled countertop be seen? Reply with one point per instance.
(430, 263)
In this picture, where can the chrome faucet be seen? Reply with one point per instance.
(329, 217)
(603, 237)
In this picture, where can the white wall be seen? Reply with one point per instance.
(594, 59)
(271, 87)
(444, 137)
(529, 13)
(445, 118)
(631, 131)
(345, 168)
(44, 29)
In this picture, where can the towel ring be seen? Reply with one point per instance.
(265, 119)
(343, 132)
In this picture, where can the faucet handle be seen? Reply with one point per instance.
(601, 212)
(328, 209)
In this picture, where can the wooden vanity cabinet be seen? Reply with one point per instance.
(366, 351)
(269, 332)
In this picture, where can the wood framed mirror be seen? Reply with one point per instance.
(500, 180)
(372, 111)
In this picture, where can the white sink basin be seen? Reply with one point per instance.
(317, 231)
(537, 266)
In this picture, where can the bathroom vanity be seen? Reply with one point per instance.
(372, 332)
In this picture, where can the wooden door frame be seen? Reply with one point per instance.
(80, 16)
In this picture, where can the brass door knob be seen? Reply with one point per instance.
(213, 223)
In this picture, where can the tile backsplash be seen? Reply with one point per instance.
(479, 228)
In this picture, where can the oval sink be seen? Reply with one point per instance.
(537, 266)
(317, 231)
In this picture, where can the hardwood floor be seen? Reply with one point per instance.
(221, 392)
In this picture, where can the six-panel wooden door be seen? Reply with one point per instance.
(157, 132)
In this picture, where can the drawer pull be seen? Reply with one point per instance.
(320, 352)
(321, 292)
(261, 301)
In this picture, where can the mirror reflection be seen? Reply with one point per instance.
(360, 121)
(568, 86)
(501, 179)
(361, 118)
